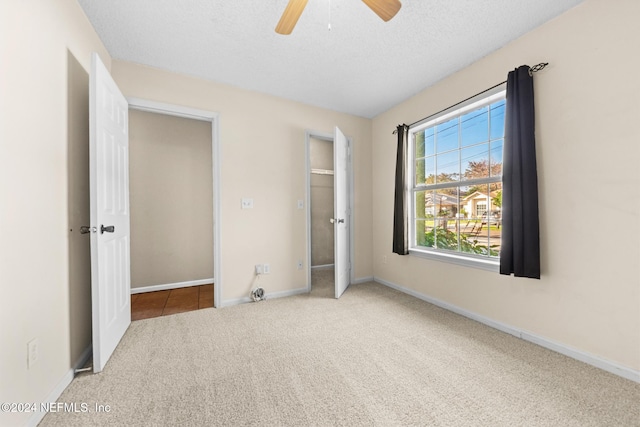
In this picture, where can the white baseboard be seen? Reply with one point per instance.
(582, 356)
(64, 382)
(323, 267)
(362, 280)
(268, 296)
(167, 286)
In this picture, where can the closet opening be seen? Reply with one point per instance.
(321, 206)
(329, 197)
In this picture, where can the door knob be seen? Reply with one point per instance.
(338, 220)
(108, 229)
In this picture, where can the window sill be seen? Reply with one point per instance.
(466, 261)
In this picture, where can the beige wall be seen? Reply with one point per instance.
(587, 115)
(322, 233)
(589, 295)
(262, 143)
(171, 196)
(37, 42)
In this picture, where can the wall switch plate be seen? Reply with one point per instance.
(266, 269)
(247, 203)
(32, 352)
(300, 204)
(300, 264)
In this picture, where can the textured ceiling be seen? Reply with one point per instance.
(363, 66)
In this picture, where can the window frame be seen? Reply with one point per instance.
(459, 258)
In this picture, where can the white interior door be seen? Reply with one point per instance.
(341, 212)
(109, 199)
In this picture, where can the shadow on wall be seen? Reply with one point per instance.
(78, 209)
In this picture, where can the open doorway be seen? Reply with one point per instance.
(329, 219)
(172, 196)
(321, 207)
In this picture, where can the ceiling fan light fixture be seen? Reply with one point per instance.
(385, 9)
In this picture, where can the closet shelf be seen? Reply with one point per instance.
(321, 172)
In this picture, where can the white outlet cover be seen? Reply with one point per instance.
(247, 203)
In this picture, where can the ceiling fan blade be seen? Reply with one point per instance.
(385, 9)
(290, 16)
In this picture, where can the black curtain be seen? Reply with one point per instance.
(400, 220)
(520, 251)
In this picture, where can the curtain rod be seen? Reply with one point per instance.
(532, 70)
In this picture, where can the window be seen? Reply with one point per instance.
(456, 189)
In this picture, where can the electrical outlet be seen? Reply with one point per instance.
(299, 264)
(32, 352)
(247, 203)
(266, 269)
(259, 269)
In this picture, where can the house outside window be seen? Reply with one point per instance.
(481, 209)
(455, 162)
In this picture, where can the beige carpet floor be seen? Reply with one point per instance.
(376, 357)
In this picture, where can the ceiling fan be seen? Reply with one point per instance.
(385, 9)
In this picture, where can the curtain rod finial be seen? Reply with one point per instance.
(538, 67)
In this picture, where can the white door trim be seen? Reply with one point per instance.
(207, 116)
(325, 136)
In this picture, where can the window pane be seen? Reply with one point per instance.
(421, 204)
(425, 172)
(424, 233)
(475, 161)
(496, 158)
(485, 221)
(447, 136)
(448, 167)
(419, 144)
(419, 175)
(445, 233)
(429, 142)
(495, 219)
(467, 222)
(429, 207)
(445, 201)
(481, 230)
(475, 126)
(497, 119)
(463, 207)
